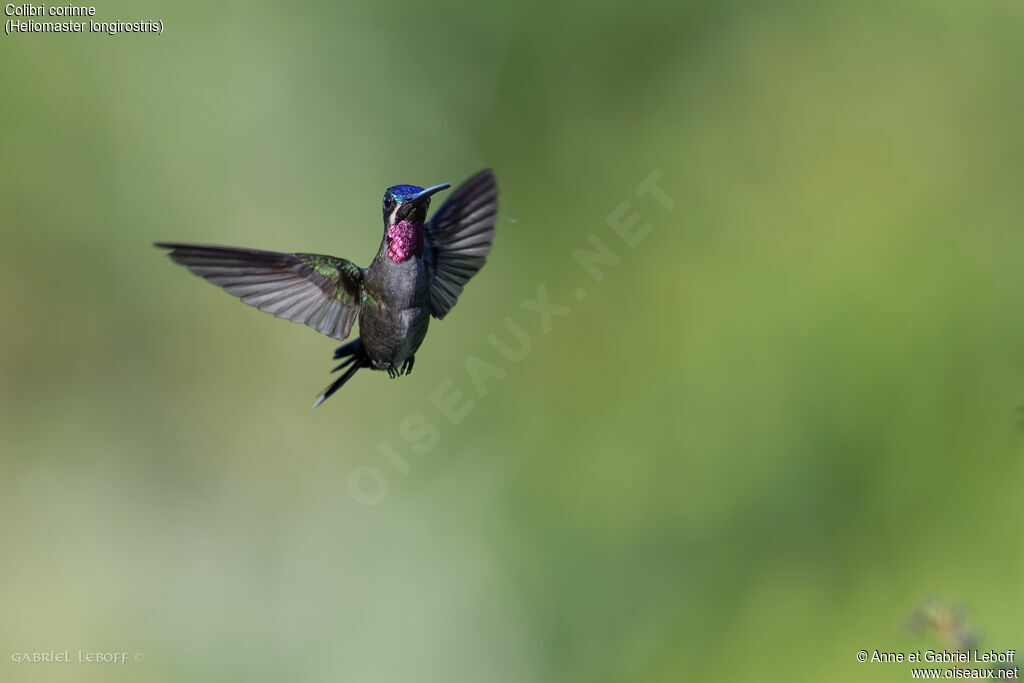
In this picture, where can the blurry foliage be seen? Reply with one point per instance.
(949, 624)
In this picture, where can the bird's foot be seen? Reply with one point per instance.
(391, 369)
(407, 365)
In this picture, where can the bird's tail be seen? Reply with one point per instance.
(354, 359)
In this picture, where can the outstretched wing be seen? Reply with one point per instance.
(316, 290)
(458, 239)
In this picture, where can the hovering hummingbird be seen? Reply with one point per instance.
(419, 271)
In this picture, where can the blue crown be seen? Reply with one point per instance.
(404, 192)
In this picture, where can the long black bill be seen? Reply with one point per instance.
(423, 194)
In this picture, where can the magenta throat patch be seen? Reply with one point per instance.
(405, 240)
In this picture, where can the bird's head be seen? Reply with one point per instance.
(408, 203)
(405, 211)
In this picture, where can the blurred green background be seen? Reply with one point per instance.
(785, 416)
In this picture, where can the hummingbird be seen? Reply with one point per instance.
(418, 273)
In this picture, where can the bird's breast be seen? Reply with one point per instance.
(394, 310)
(393, 335)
